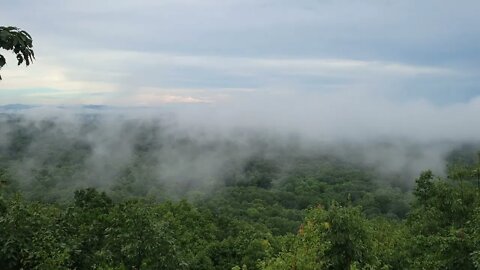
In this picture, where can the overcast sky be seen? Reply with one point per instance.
(154, 52)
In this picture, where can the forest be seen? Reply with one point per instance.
(92, 193)
(239, 135)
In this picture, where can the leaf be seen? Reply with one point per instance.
(20, 59)
(26, 57)
(26, 34)
(2, 61)
(20, 41)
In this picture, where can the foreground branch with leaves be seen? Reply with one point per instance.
(18, 41)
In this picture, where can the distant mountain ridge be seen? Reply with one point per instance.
(16, 107)
(23, 107)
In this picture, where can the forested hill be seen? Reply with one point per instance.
(96, 193)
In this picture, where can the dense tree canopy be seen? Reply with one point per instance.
(93, 232)
(290, 212)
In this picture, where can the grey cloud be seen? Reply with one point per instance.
(430, 34)
(388, 30)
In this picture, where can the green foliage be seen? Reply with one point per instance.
(257, 172)
(93, 232)
(337, 238)
(31, 238)
(439, 222)
(391, 243)
(193, 229)
(136, 239)
(258, 215)
(347, 231)
(441, 232)
(18, 41)
(91, 199)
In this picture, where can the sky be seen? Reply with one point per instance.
(250, 52)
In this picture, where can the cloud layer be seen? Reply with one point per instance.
(155, 52)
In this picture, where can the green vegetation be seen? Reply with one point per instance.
(19, 42)
(271, 212)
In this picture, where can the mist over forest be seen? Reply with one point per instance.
(239, 135)
(278, 181)
(173, 151)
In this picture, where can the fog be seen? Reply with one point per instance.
(184, 147)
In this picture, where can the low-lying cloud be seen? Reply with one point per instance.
(183, 147)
